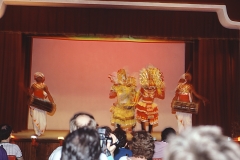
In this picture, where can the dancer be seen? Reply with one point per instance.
(39, 90)
(184, 92)
(123, 111)
(152, 86)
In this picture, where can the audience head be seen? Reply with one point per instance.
(5, 131)
(82, 144)
(82, 119)
(142, 145)
(121, 136)
(201, 143)
(167, 132)
(108, 130)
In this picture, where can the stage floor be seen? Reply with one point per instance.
(54, 134)
(49, 134)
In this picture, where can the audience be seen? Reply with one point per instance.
(82, 144)
(5, 136)
(142, 146)
(161, 145)
(79, 120)
(121, 149)
(202, 143)
(109, 141)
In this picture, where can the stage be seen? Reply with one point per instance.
(48, 135)
(55, 134)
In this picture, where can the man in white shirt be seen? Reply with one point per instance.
(77, 121)
(5, 136)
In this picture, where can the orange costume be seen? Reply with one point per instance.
(152, 86)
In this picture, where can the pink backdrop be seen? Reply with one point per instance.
(77, 71)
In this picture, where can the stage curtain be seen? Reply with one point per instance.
(60, 21)
(13, 59)
(216, 77)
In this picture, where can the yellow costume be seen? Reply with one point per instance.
(123, 110)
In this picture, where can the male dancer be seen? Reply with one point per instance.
(39, 90)
(184, 93)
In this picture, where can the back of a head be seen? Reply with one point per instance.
(142, 145)
(5, 131)
(82, 119)
(82, 144)
(121, 136)
(167, 132)
(107, 129)
(202, 143)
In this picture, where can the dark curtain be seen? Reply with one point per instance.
(62, 21)
(13, 66)
(215, 69)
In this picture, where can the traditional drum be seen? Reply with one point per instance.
(41, 104)
(187, 107)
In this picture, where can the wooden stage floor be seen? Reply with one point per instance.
(54, 134)
(49, 134)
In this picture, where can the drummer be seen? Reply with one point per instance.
(184, 92)
(39, 90)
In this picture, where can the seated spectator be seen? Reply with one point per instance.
(3, 154)
(108, 141)
(161, 145)
(122, 145)
(142, 146)
(5, 136)
(82, 144)
(79, 120)
(202, 143)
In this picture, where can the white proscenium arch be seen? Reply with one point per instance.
(219, 9)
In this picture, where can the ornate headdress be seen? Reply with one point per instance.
(151, 76)
(131, 81)
(120, 74)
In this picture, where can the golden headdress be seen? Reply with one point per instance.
(120, 74)
(151, 76)
(131, 81)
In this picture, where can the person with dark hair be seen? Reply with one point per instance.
(161, 145)
(109, 141)
(142, 146)
(202, 143)
(5, 136)
(82, 144)
(81, 119)
(121, 149)
(39, 90)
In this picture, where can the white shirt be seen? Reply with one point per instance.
(159, 149)
(12, 149)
